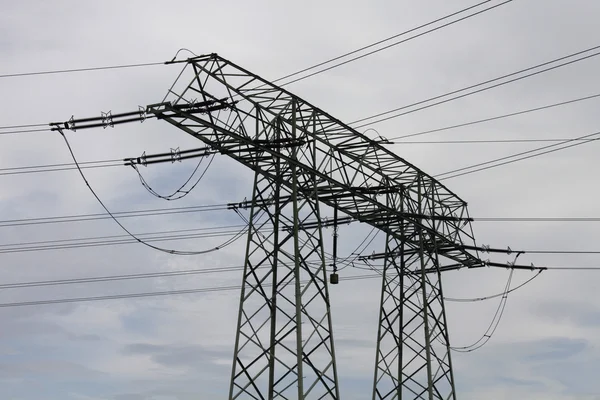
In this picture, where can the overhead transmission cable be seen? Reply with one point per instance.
(371, 120)
(180, 192)
(390, 45)
(164, 250)
(148, 275)
(320, 64)
(153, 294)
(485, 338)
(516, 157)
(65, 71)
(498, 117)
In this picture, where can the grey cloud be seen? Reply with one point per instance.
(584, 314)
(178, 355)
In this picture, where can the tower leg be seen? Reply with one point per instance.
(284, 342)
(413, 358)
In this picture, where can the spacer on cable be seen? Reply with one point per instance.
(143, 159)
(143, 113)
(107, 120)
(175, 155)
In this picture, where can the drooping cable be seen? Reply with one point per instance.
(168, 251)
(493, 324)
(181, 192)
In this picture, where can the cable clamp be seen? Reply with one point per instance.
(143, 113)
(485, 248)
(107, 119)
(175, 155)
(142, 160)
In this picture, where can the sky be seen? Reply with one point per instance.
(180, 347)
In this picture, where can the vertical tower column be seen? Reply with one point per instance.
(413, 353)
(284, 342)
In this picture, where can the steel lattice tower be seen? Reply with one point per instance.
(304, 160)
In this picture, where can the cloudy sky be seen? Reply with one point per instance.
(180, 347)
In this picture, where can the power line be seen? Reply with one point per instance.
(59, 167)
(489, 332)
(477, 85)
(65, 244)
(152, 294)
(222, 207)
(537, 219)
(124, 277)
(476, 299)
(393, 44)
(517, 159)
(65, 71)
(22, 126)
(119, 214)
(379, 42)
(168, 251)
(480, 121)
(24, 131)
(489, 141)
(31, 170)
(289, 75)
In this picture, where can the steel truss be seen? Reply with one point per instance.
(305, 159)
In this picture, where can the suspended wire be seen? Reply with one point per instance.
(34, 169)
(480, 121)
(180, 192)
(294, 73)
(23, 131)
(206, 271)
(395, 43)
(111, 278)
(223, 207)
(90, 242)
(168, 251)
(538, 219)
(118, 163)
(475, 86)
(581, 139)
(379, 42)
(493, 325)
(476, 299)
(496, 141)
(22, 126)
(153, 294)
(65, 71)
(120, 214)
(360, 249)
(512, 158)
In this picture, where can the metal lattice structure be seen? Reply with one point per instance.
(304, 159)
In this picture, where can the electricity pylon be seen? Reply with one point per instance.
(304, 161)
